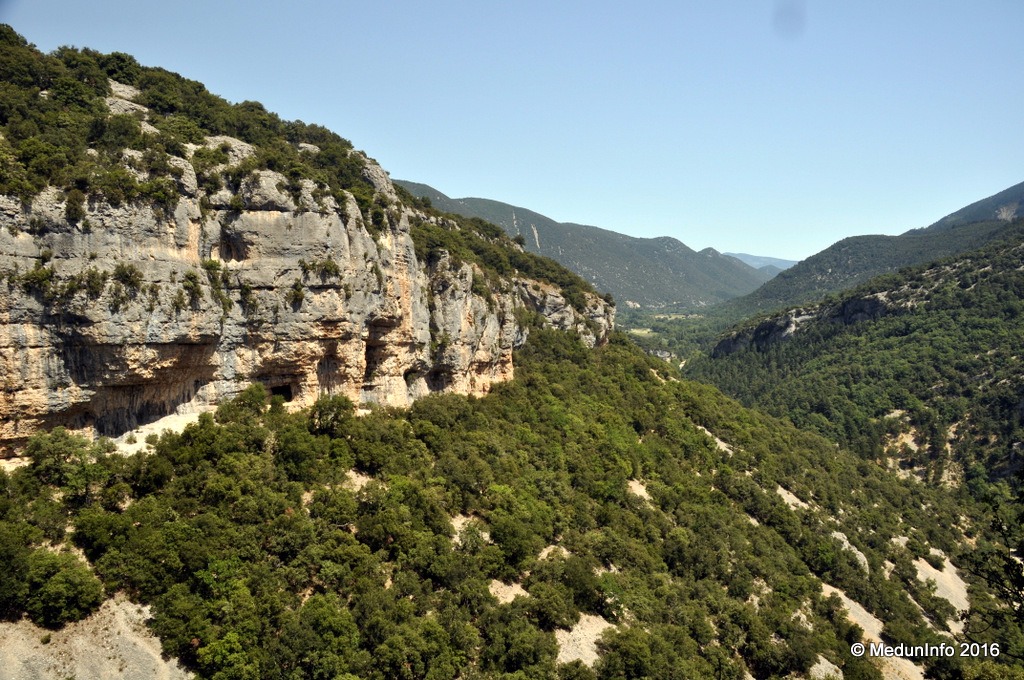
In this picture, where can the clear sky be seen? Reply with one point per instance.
(774, 127)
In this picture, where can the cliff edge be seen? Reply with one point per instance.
(117, 311)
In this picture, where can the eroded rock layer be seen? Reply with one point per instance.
(138, 310)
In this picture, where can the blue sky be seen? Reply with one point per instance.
(774, 127)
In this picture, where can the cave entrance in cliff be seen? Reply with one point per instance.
(438, 380)
(282, 391)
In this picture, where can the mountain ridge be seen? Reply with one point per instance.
(654, 272)
(464, 533)
(856, 259)
(761, 261)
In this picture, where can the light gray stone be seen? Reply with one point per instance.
(385, 328)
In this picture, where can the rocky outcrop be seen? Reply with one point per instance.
(778, 328)
(138, 310)
(763, 335)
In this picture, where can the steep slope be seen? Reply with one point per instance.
(482, 536)
(856, 259)
(154, 262)
(656, 272)
(935, 344)
(592, 516)
(921, 371)
(1006, 205)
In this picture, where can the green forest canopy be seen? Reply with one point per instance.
(259, 560)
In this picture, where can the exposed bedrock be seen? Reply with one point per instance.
(146, 312)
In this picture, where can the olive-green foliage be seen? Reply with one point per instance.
(945, 347)
(324, 269)
(855, 260)
(940, 362)
(52, 111)
(259, 560)
(74, 208)
(55, 129)
(474, 240)
(192, 288)
(61, 588)
(218, 284)
(129, 276)
(15, 547)
(296, 294)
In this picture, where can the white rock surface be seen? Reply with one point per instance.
(892, 668)
(580, 643)
(113, 643)
(862, 560)
(948, 585)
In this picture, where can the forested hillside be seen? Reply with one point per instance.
(161, 248)
(937, 345)
(597, 516)
(854, 260)
(264, 556)
(920, 371)
(646, 272)
(60, 127)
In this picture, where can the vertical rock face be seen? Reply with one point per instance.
(138, 311)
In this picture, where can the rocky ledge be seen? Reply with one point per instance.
(138, 310)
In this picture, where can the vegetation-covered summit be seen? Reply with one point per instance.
(463, 537)
(58, 130)
(649, 272)
(936, 343)
(102, 127)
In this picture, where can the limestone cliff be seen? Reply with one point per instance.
(782, 326)
(135, 310)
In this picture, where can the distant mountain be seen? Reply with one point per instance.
(1006, 205)
(657, 272)
(931, 351)
(760, 261)
(856, 259)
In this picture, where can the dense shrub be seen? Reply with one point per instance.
(61, 589)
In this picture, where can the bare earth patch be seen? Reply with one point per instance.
(580, 643)
(551, 549)
(176, 422)
(948, 585)
(824, 669)
(111, 643)
(892, 668)
(637, 488)
(722, 446)
(460, 522)
(9, 465)
(506, 592)
(355, 481)
(791, 500)
(861, 559)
